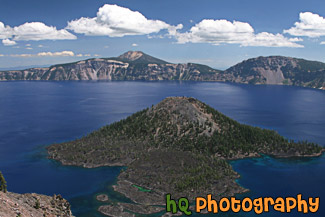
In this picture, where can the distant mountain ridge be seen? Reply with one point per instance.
(136, 65)
(278, 70)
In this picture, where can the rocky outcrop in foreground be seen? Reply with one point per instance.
(36, 205)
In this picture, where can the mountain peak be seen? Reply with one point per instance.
(131, 55)
(176, 123)
(140, 57)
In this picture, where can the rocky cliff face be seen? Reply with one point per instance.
(129, 66)
(278, 70)
(136, 65)
(27, 74)
(26, 205)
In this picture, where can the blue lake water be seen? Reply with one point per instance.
(36, 114)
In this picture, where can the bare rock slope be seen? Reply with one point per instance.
(27, 205)
(279, 70)
(132, 65)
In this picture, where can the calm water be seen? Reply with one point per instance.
(36, 114)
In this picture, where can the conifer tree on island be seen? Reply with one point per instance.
(3, 183)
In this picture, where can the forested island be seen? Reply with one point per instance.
(179, 146)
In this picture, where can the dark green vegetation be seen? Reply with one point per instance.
(183, 124)
(3, 183)
(37, 204)
(136, 65)
(178, 146)
(182, 173)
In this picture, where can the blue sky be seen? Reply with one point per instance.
(218, 33)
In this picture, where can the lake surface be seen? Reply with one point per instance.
(36, 114)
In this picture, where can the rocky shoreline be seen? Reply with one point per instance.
(236, 157)
(276, 155)
(297, 155)
(181, 147)
(146, 203)
(102, 198)
(152, 202)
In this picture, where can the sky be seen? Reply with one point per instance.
(218, 33)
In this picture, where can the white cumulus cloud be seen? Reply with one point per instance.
(134, 45)
(37, 31)
(219, 32)
(46, 54)
(323, 42)
(310, 25)
(265, 39)
(62, 53)
(216, 32)
(34, 31)
(5, 31)
(116, 21)
(8, 42)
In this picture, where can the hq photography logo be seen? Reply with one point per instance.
(257, 205)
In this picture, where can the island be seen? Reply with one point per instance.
(180, 146)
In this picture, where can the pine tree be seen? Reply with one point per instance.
(3, 183)
(37, 204)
